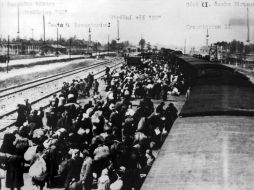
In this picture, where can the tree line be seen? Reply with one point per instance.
(236, 47)
(73, 41)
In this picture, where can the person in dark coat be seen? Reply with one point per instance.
(74, 168)
(155, 125)
(41, 115)
(65, 122)
(28, 107)
(21, 115)
(14, 172)
(171, 115)
(86, 174)
(34, 119)
(95, 86)
(7, 146)
(164, 91)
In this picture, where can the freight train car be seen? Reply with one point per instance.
(134, 60)
(211, 144)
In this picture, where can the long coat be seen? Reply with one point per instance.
(14, 173)
(86, 175)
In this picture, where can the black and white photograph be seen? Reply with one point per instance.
(126, 94)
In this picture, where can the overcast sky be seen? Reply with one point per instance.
(166, 22)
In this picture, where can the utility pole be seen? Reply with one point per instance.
(207, 38)
(248, 26)
(108, 36)
(236, 52)
(32, 33)
(8, 54)
(57, 41)
(43, 29)
(96, 48)
(184, 49)
(18, 25)
(70, 48)
(118, 35)
(89, 39)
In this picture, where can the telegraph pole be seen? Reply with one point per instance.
(118, 35)
(89, 39)
(108, 36)
(32, 33)
(57, 41)
(70, 48)
(248, 26)
(18, 24)
(207, 38)
(96, 48)
(43, 28)
(8, 54)
(184, 49)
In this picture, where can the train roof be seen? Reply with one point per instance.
(211, 146)
(219, 100)
(211, 152)
(218, 90)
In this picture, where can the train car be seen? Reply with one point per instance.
(133, 60)
(211, 144)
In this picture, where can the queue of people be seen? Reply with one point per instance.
(105, 144)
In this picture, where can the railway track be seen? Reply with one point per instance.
(42, 101)
(31, 84)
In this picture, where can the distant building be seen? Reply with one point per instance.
(204, 50)
(193, 51)
(221, 53)
(50, 49)
(250, 57)
(16, 48)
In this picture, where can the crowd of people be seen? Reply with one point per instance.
(107, 143)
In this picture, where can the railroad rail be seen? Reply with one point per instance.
(45, 97)
(31, 84)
